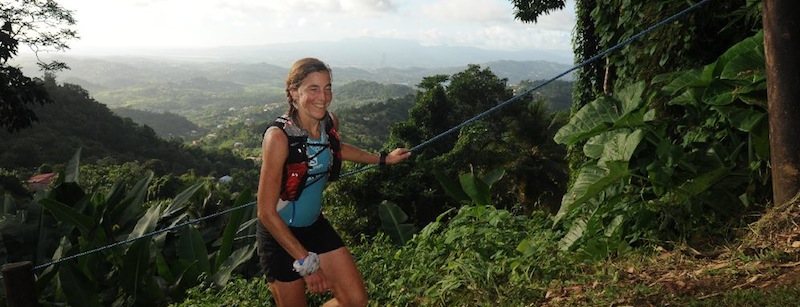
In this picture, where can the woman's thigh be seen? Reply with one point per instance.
(343, 277)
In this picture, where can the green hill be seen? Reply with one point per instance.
(166, 124)
(76, 120)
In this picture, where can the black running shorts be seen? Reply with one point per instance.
(319, 237)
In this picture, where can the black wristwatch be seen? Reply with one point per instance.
(383, 159)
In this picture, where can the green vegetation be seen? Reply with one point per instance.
(167, 125)
(639, 177)
(667, 203)
(155, 269)
(41, 27)
(75, 120)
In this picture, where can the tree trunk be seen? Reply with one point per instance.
(782, 47)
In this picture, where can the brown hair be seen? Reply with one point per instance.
(299, 71)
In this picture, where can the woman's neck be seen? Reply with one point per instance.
(309, 125)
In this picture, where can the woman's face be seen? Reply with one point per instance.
(313, 96)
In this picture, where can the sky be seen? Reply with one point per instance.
(152, 24)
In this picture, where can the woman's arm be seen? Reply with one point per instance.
(274, 150)
(355, 154)
(358, 155)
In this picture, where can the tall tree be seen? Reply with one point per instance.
(781, 45)
(42, 26)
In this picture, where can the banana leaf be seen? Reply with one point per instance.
(393, 222)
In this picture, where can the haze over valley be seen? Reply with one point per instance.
(203, 83)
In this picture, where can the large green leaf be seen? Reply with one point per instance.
(493, 176)
(130, 206)
(573, 235)
(450, 186)
(164, 270)
(192, 248)
(604, 112)
(740, 118)
(181, 201)
(78, 288)
(718, 93)
(147, 222)
(590, 120)
(682, 80)
(69, 193)
(621, 147)
(237, 258)
(232, 227)
(68, 215)
(134, 267)
(393, 222)
(592, 180)
(614, 145)
(630, 97)
(477, 190)
(745, 59)
(703, 182)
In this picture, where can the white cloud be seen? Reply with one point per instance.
(470, 11)
(368, 5)
(207, 23)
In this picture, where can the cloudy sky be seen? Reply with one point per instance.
(110, 24)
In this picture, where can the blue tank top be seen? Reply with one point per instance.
(305, 210)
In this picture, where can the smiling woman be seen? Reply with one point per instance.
(301, 151)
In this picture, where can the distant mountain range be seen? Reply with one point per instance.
(180, 80)
(366, 53)
(382, 60)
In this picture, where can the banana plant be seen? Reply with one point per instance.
(471, 188)
(393, 222)
(132, 251)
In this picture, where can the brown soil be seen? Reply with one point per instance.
(687, 272)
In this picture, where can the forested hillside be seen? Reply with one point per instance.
(76, 120)
(194, 87)
(167, 125)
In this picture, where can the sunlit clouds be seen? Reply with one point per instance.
(211, 23)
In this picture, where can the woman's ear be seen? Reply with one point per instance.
(295, 95)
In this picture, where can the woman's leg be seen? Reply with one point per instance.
(292, 293)
(343, 277)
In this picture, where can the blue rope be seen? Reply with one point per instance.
(147, 235)
(415, 148)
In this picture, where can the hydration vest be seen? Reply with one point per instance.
(295, 169)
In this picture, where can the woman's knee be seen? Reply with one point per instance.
(353, 300)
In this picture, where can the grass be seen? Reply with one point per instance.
(461, 263)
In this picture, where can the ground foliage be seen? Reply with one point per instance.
(481, 256)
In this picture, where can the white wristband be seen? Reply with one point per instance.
(307, 266)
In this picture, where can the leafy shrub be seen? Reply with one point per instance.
(692, 174)
(475, 258)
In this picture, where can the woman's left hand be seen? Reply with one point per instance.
(397, 156)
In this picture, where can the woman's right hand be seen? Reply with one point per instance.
(316, 282)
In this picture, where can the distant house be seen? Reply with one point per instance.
(41, 182)
(225, 179)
